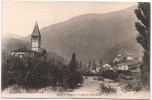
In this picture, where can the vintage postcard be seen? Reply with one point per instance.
(73, 49)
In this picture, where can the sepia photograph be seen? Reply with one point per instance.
(75, 49)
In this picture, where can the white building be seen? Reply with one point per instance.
(97, 69)
(130, 58)
(123, 67)
(106, 66)
(116, 60)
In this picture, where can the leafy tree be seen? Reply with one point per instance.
(143, 27)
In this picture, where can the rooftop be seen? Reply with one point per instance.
(23, 49)
(36, 30)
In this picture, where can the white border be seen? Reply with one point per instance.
(72, 0)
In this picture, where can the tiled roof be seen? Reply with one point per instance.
(23, 49)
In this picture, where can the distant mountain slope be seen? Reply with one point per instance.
(126, 48)
(92, 35)
(9, 44)
(11, 35)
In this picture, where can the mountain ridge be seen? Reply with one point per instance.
(92, 36)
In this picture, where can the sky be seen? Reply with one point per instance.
(19, 17)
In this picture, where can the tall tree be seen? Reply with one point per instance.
(74, 77)
(89, 65)
(80, 65)
(143, 27)
(93, 64)
(100, 62)
(77, 63)
(73, 63)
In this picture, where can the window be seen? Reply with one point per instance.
(34, 37)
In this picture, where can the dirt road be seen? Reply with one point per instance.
(90, 85)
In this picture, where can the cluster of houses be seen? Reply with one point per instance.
(121, 64)
(121, 58)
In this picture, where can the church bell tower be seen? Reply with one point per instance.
(36, 39)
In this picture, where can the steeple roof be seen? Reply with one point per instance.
(36, 30)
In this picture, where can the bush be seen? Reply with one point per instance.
(137, 86)
(100, 78)
(127, 72)
(73, 79)
(7, 76)
(117, 79)
(127, 87)
(110, 74)
(107, 89)
(89, 73)
(37, 76)
(132, 86)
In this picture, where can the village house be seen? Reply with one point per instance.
(24, 51)
(123, 67)
(118, 59)
(35, 46)
(140, 59)
(98, 68)
(106, 66)
(128, 65)
(130, 58)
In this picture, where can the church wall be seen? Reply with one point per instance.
(35, 49)
(17, 54)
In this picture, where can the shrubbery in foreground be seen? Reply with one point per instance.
(107, 89)
(35, 73)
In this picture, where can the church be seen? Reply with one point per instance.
(35, 46)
